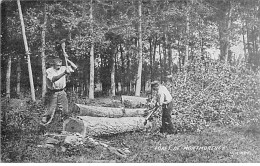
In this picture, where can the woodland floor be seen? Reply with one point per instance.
(214, 144)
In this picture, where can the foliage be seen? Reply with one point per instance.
(214, 93)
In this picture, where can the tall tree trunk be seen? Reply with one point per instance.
(154, 52)
(27, 51)
(139, 75)
(187, 43)
(151, 59)
(164, 56)
(8, 77)
(161, 70)
(201, 38)
(180, 56)
(43, 58)
(116, 71)
(122, 69)
(244, 42)
(18, 84)
(128, 72)
(92, 58)
(113, 87)
(248, 43)
(228, 32)
(169, 56)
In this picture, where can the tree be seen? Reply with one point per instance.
(43, 58)
(27, 51)
(187, 39)
(113, 85)
(18, 85)
(140, 43)
(8, 76)
(92, 58)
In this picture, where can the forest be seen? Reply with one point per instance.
(204, 51)
(103, 37)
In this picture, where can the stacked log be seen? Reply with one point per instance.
(133, 101)
(85, 110)
(97, 126)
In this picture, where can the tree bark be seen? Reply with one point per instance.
(92, 58)
(187, 43)
(128, 72)
(154, 52)
(98, 126)
(169, 56)
(151, 59)
(161, 69)
(8, 76)
(113, 86)
(122, 69)
(27, 51)
(85, 110)
(164, 56)
(18, 84)
(244, 42)
(43, 58)
(228, 32)
(139, 74)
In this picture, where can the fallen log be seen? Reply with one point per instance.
(133, 101)
(96, 126)
(85, 110)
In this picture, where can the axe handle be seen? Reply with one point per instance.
(151, 113)
(63, 49)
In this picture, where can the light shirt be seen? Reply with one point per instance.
(59, 84)
(164, 95)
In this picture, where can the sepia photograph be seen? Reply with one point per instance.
(130, 81)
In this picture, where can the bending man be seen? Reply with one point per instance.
(164, 98)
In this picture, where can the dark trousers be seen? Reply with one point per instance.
(167, 126)
(53, 100)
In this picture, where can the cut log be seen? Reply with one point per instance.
(85, 110)
(96, 126)
(133, 101)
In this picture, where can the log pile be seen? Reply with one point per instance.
(98, 120)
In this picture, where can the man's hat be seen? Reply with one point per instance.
(155, 83)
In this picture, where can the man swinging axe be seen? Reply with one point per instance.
(56, 82)
(164, 99)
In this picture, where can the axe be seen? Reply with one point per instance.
(64, 52)
(150, 114)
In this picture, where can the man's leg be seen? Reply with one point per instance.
(51, 107)
(167, 125)
(63, 100)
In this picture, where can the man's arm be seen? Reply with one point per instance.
(52, 77)
(56, 78)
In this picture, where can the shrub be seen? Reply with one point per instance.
(213, 92)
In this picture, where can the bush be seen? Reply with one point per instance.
(213, 92)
